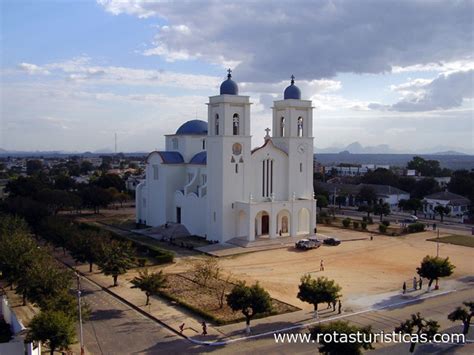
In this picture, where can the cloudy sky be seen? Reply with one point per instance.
(379, 72)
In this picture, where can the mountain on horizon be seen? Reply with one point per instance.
(357, 148)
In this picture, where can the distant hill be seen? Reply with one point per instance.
(449, 152)
(357, 148)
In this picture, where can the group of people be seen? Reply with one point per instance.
(417, 285)
(333, 304)
(203, 325)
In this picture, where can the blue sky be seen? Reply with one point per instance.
(393, 72)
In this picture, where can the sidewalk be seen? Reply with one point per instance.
(172, 315)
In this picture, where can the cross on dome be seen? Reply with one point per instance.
(229, 71)
(292, 79)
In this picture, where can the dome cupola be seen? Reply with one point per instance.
(229, 86)
(292, 91)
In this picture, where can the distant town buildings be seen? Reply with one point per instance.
(457, 204)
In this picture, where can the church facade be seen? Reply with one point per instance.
(211, 180)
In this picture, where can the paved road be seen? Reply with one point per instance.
(115, 328)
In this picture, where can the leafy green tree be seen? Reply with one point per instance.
(462, 183)
(425, 167)
(413, 205)
(367, 194)
(419, 326)
(86, 246)
(320, 290)
(53, 328)
(115, 258)
(33, 166)
(341, 199)
(464, 315)
(123, 197)
(380, 176)
(424, 187)
(96, 197)
(434, 267)
(343, 329)
(106, 181)
(64, 182)
(58, 231)
(150, 283)
(322, 201)
(366, 208)
(24, 186)
(442, 211)
(250, 300)
(43, 280)
(86, 167)
(382, 209)
(32, 211)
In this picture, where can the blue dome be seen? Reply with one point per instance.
(193, 127)
(292, 91)
(229, 86)
(199, 158)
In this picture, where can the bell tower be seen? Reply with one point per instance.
(293, 132)
(228, 158)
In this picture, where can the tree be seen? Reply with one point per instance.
(343, 329)
(116, 257)
(424, 187)
(106, 181)
(151, 284)
(43, 280)
(462, 183)
(442, 210)
(426, 167)
(418, 326)
(86, 166)
(32, 211)
(464, 315)
(96, 197)
(382, 209)
(413, 204)
(123, 197)
(320, 290)
(54, 328)
(85, 247)
(322, 201)
(341, 199)
(64, 182)
(33, 166)
(250, 300)
(366, 208)
(367, 194)
(380, 176)
(206, 269)
(434, 267)
(24, 186)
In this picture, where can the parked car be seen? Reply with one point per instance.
(316, 240)
(306, 244)
(413, 218)
(331, 241)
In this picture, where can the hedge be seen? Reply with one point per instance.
(382, 228)
(416, 227)
(346, 222)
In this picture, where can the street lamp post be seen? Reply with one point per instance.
(437, 255)
(81, 338)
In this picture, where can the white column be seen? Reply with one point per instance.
(251, 234)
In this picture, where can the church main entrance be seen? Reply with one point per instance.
(265, 224)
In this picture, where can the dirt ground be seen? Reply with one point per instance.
(361, 267)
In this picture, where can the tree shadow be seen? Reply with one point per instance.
(106, 314)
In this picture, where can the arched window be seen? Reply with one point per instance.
(217, 124)
(236, 125)
(300, 126)
(282, 127)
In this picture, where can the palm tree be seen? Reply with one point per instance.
(149, 283)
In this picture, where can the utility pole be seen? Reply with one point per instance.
(115, 142)
(437, 255)
(81, 338)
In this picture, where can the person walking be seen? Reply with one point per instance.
(334, 303)
(340, 307)
(204, 328)
(420, 283)
(404, 287)
(415, 283)
(181, 328)
(321, 265)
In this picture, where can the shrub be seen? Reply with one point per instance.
(355, 224)
(346, 222)
(416, 227)
(382, 228)
(160, 255)
(141, 262)
(386, 223)
(363, 225)
(369, 220)
(323, 214)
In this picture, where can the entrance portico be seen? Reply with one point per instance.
(276, 218)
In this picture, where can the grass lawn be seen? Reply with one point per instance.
(464, 240)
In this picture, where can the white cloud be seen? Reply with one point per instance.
(444, 92)
(312, 39)
(32, 69)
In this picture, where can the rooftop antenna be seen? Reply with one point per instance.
(115, 142)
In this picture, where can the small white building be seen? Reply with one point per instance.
(210, 179)
(459, 205)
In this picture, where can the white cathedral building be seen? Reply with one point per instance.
(211, 180)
